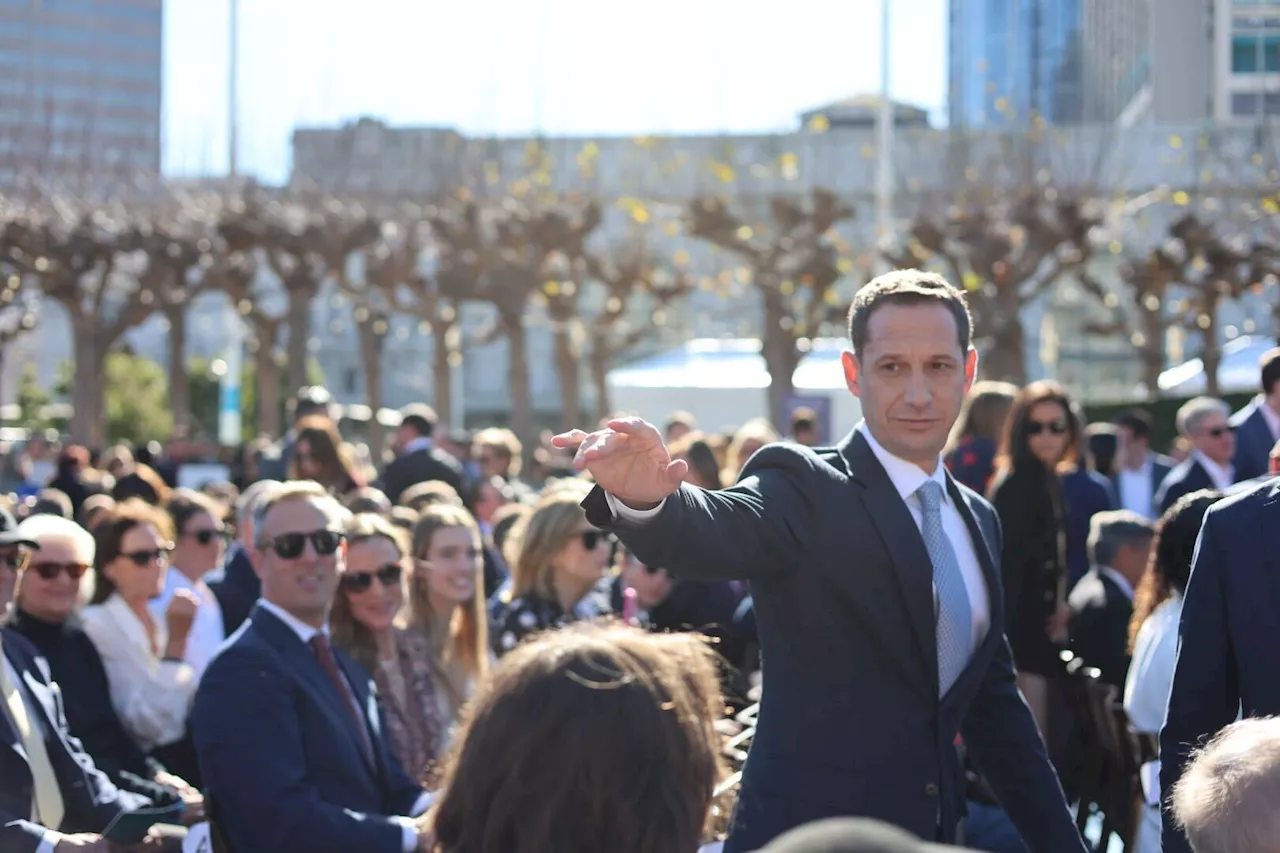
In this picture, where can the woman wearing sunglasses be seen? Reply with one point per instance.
(152, 685)
(447, 604)
(367, 622)
(559, 563)
(1041, 440)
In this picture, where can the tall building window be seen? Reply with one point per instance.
(1254, 54)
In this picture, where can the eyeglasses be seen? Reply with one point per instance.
(1057, 427)
(389, 575)
(204, 537)
(592, 538)
(1218, 432)
(15, 561)
(289, 546)
(141, 559)
(50, 571)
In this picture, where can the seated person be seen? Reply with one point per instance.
(288, 731)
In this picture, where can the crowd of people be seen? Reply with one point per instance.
(439, 651)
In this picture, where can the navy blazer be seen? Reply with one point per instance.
(1086, 493)
(1186, 477)
(850, 719)
(1253, 441)
(89, 799)
(1227, 659)
(283, 764)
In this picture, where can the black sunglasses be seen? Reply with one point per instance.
(592, 538)
(289, 546)
(1057, 427)
(1218, 432)
(50, 571)
(204, 537)
(388, 575)
(143, 558)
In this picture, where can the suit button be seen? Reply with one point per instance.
(931, 790)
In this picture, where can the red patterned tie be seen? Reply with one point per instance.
(324, 653)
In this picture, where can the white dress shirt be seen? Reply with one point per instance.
(305, 632)
(906, 478)
(207, 630)
(49, 843)
(1136, 489)
(1223, 477)
(152, 696)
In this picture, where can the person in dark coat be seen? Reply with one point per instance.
(417, 458)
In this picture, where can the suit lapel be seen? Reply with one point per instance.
(913, 570)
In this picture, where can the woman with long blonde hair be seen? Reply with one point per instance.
(446, 601)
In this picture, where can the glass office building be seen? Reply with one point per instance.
(80, 88)
(1013, 60)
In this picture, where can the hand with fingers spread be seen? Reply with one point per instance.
(628, 460)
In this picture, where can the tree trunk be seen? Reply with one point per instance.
(601, 360)
(1153, 353)
(371, 356)
(87, 384)
(1006, 358)
(179, 386)
(299, 334)
(442, 371)
(780, 355)
(518, 386)
(268, 376)
(568, 377)
(1211, 352)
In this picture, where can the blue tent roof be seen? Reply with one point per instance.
(730, 363)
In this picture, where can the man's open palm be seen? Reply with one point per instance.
(628, 460)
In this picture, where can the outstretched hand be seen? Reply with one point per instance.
(628, 460)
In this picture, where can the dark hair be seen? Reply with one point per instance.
(1137, 421)
(695, 448)
(325, 446)
(907, 287)
(310, 400)
(803, 418)
(504, 520)
(51, 501)
(1270, 364)
(186, 504)
(1172, 551)
(1103, 441)
(474, 491)
(109, 532)
(984, 412)
(1015, 449)
(367, 500)
(143, 482)
(419, 417)
(631, 714)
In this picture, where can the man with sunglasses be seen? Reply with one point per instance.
(288, 729)
(1206, 423)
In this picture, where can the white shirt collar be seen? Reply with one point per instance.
(420, 443)
(1143, 470)
(1221, 475)
(906, 477)
(304, 631)
(1119, 579)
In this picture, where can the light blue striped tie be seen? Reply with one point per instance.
(954, 616)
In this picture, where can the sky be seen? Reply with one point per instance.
(528, 66)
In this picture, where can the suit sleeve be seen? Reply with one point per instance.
(253, 761)
(754, 529)
(1205, 695)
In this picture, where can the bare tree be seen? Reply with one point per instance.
(237, 274)
(17, 313)
(794, 266)
(1006, 253)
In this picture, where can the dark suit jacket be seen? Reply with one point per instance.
(1100, 613)
(1253, 441)
(90, 800)
(1085, 493)
(238, 588)
(850, 719)
(282, 760)
(418, 467)
(1160, 468)
(1187, 476)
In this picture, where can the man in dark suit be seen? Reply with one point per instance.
(1205, 422)
(237, 586)
(290, 739)
(1138, 472)
(52, 797)
(1257, 425)
(876, 590)
(1227, 662)
(417, 459)
(1102, 602)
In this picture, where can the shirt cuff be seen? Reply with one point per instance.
(49, 844)
(421, 804)
(622, 512)
(409, 840)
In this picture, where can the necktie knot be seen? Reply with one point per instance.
(930, 494)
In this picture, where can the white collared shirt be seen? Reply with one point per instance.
(906, 479)
(409, 832)
(1136, 489)
(1222, 476)
(207, 629)
(1119, 580)
(419, 443)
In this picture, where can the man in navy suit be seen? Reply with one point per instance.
(1227, 662)
(1205, 422)
(287, 729)
(1257, 425)
(876, 587)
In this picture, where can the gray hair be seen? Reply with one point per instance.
(248, 502)
(1194, 411)
(1111, 530)
(299, 490)
(1226, 798)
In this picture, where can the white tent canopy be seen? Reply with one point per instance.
(1238, 371)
